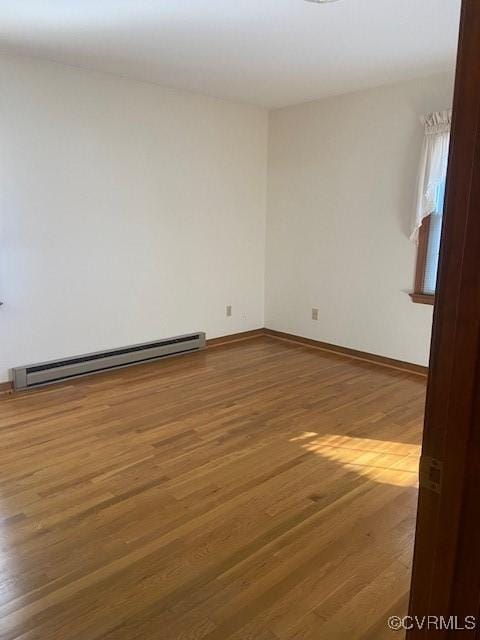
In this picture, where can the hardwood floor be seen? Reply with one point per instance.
(257, 491)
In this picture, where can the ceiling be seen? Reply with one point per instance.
(267, 52)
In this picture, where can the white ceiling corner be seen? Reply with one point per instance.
(267, 52)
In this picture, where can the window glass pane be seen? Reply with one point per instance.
(434, 243)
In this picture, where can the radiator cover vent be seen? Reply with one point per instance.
(42, 373)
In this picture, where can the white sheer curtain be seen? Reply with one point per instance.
(433, 166)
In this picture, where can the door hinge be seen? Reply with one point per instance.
(431, 470)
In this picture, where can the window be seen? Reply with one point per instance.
(427, 221)
(428, 250)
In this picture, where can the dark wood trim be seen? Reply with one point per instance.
(421, 265)
(423, 298)
(446, 568)
(235, 337)
(372, 358)
(6, 387)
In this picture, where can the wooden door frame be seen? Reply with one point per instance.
(446, 568)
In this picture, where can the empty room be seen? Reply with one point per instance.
(221, 253)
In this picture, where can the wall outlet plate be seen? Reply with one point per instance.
(228, 310)
(314, 314)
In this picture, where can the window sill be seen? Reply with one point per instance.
(422, 298)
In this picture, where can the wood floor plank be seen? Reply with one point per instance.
(261, 489)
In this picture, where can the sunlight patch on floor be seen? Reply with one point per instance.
(386, 462)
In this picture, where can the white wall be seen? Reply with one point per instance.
(342, 178)
(128, 212)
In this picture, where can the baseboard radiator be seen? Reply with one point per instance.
(59, 370)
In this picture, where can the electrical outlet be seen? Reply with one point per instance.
(228, 310)
(314, 314)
